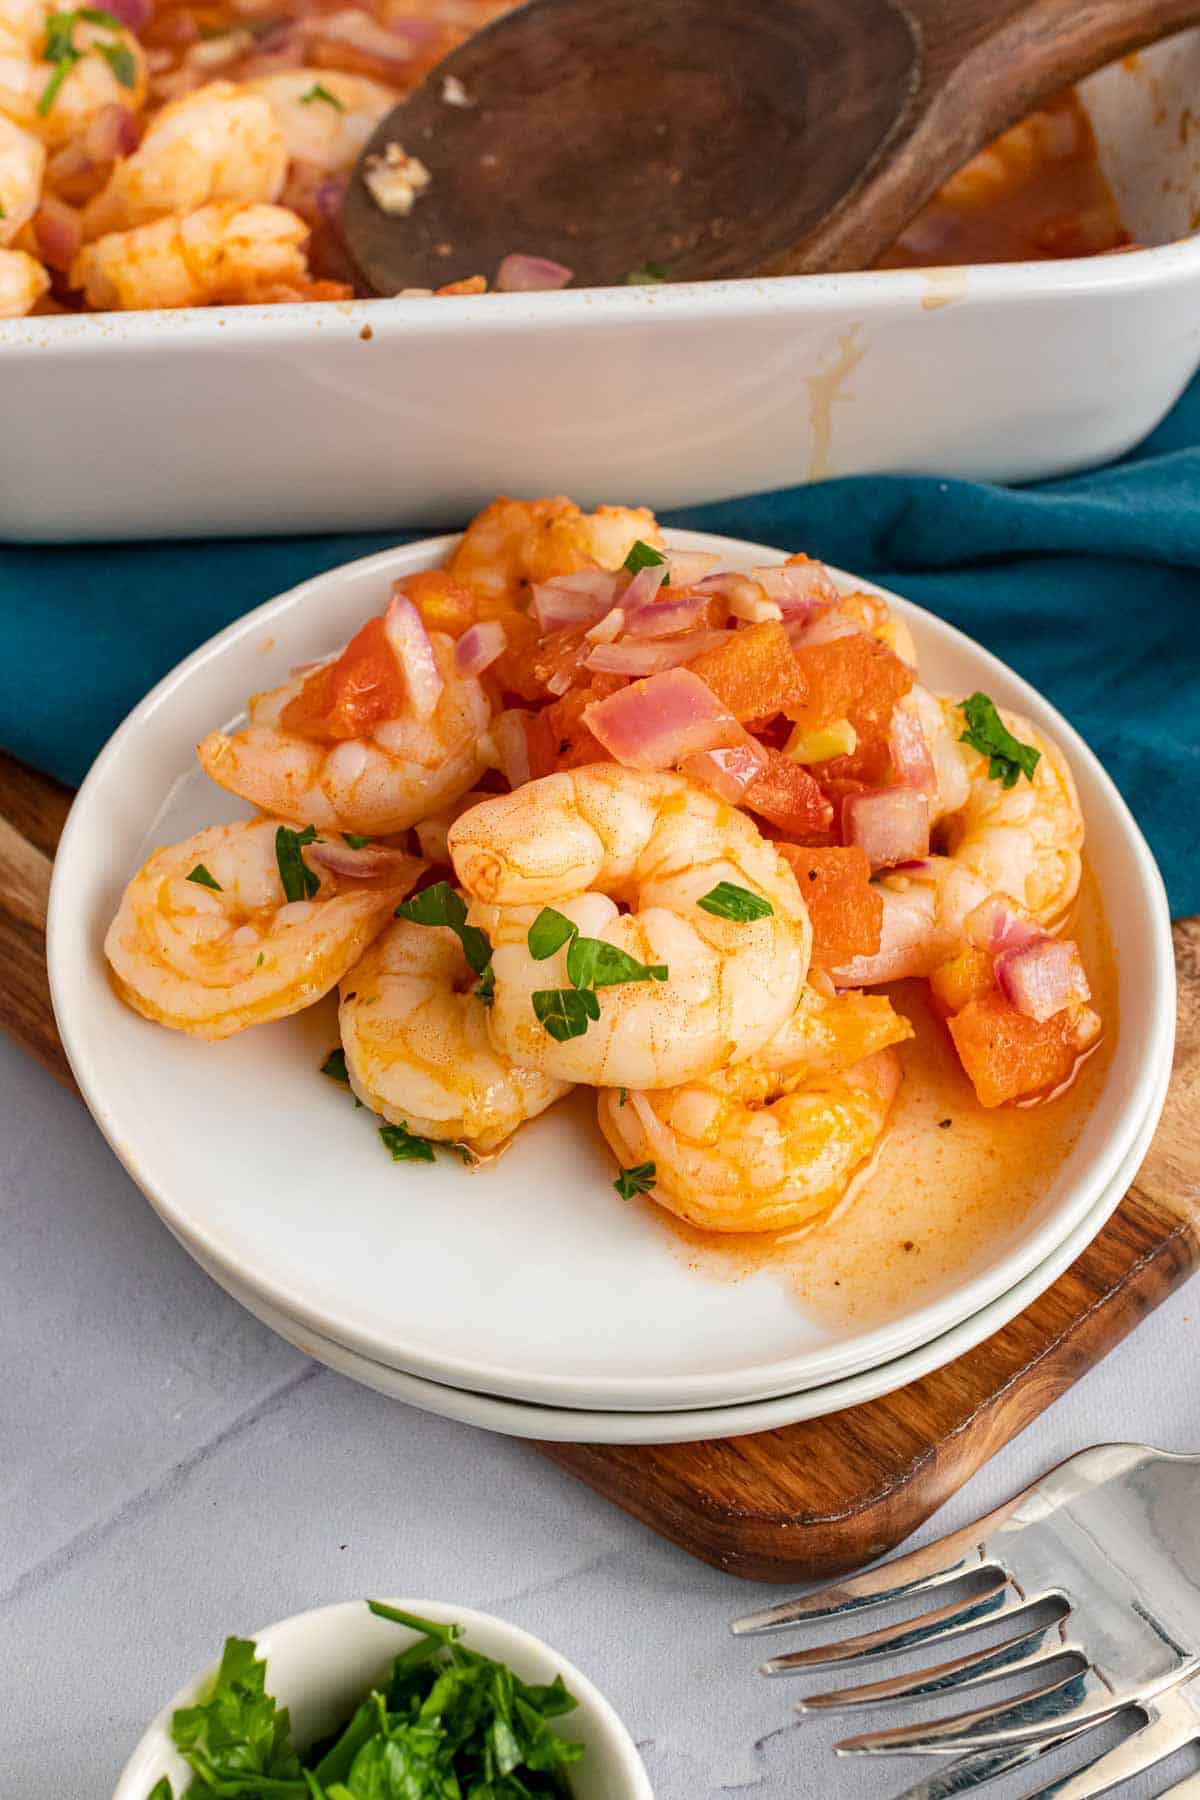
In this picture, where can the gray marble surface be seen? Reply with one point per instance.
(170, 1472)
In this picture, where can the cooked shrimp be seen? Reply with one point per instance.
(211, 957)
(512, 543)
(224, 253)
(1022, 842)
(325, 115)
(218, 143)
(729, 1156)
(23, 281)
(583, 843)
(90, 83)
(417, 1048)
(406, 768)
(22, 167)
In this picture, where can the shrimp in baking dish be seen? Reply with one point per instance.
(774, 1141)
(109, 70)
(512, 543)
(22, 166)
(415, 1034)
(326, 116)
(218, 143)
(356, 744)
(1022, 842)
(586, 841)
(23, 281)
(223, 253)
(206, 941)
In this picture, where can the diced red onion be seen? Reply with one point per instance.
(890, 824)
(558, 684)
(641, 588)
(1043, 978)
(609, 627)
(519, 274)
(569, 600)
(755, 609)
(396, 45)
(329, 196)
(797, 584)
(135, 14)
(727, 771)
(820, 627)
(997, 926)
(367, 864)
(405, 631)
(58, 230)
(911, 758)
(417, 30)
(655, 724)
(664, 618)
(512, 744)
(649, 656)
(479, 646)
(111, 132)
(687, 567)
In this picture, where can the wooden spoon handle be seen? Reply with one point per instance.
(33, 810)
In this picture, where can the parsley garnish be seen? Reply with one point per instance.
(299, 881)
(335, 1066)
(442, 1720)
(318, 92)
(443, 905)
(486, 991)
(204, 878)
(405, 1146)
(638, 1180)
(649, 275)
(591, 963)
(60, 50)
(355, 842)
(643, 556)
(624, 1096)
(1008, 758)
(728, 901)
(3, 213)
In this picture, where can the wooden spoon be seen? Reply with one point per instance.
(710, 138)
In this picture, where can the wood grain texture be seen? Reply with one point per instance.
(815, 1499)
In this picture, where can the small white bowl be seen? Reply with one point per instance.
(321, 1663)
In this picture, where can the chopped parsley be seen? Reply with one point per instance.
(638, 1180)
(591, 963)
(1008, 758)
(486, 991)
(299, 881)
(59, 50)
(729, 901)
(443, 905)
(204, 878)
(643, 556)
(335, 1066)
(319, 92)
(3, 212)
(405, 1145)
(354, 841)
(623, 1096)
(649, 275)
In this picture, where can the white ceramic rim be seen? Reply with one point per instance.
(885, 1344)
(622, 1762)
(864, 291)
(566, 1425)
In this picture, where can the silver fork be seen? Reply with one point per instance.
(1108, 1544)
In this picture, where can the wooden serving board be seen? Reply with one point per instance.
(815, 1499)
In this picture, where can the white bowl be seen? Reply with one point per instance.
(503, 1281)
(388, 412)
(321, 1663)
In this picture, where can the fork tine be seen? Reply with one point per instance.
(1048, 1711)
(920, 1570)
(1163, 1733)
(1187, 1789)
(947, 1621)
(966, 1773)
(1012, 1656)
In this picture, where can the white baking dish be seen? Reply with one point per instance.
(415, 412)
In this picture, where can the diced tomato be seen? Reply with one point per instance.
(1008, 1055)
(443, 603)
(754, 672)
(557, 736)
(968, 976)
(516, 668)
(788, 796)
(859, 679)
(845, 910)
(346, 698)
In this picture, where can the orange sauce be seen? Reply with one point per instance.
(952, 1182)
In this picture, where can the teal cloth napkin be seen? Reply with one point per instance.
(1090, 587)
